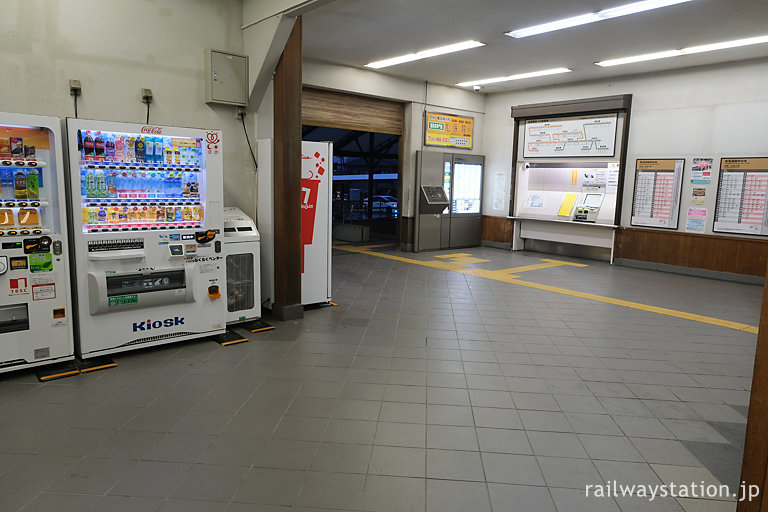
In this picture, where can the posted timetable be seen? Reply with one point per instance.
(742, 195)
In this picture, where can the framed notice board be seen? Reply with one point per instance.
(742, 196)
(448, 130)
(658, 187)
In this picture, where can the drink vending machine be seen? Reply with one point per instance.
(35, 304)
(147, 214)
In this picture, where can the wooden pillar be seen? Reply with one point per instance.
(754, 467)
(287, 184)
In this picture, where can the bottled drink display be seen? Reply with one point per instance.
(129, 180)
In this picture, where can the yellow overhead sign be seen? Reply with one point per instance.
(448, 130)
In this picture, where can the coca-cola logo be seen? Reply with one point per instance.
(151, 129)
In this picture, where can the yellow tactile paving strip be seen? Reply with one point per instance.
(460, 262)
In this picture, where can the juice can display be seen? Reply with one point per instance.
(85, 214)
(93, 216)
(178, 215)
(17, 147)
(133, 214)
(5, 147)
(186, 213)
(123, 214)
(102, 215)
(113, 212)
(196, 213)
(160, 214)
(169, 214)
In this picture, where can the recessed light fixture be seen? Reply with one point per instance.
(583, 19)
(685, 51)
(456, 47)
(520, 76)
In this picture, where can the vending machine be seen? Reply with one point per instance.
(316, 221)
(147, 216)
(35, 304)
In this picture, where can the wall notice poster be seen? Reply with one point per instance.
(697, 220)
(448, 130)
(741, 196)
(658, 185)
(701, 171)
(698, 195)
(499, 190)
(567, 137)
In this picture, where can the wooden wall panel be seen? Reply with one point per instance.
(754, 467)
(497, 229)
(287, 184)
(351, 112)
(719, 253)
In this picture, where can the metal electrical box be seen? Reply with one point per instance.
(226, 78)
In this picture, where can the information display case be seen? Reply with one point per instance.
(568, 175)
(658, 186)
(742, 196)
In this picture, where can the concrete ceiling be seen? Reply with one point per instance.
(355, 32)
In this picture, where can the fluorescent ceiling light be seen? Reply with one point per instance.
(685, 51)
(456, 47)
(521, 76)
(583, 19)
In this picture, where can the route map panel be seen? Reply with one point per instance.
(587, 136)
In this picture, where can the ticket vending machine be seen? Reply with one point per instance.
(35, 303)
(147, 217)
(459, 224)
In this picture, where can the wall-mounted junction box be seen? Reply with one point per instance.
(226, 78)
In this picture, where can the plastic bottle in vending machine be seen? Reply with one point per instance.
(179, 188)
(168, 152)
(149, 150)
(158, 143)
(109, 146)
(83, 183)
(185, 186)
(98, 144)
(88, 145)
(6, 183)
(122, 179)
(194, 191)
(177, 156)
(168, 185)
(90, 184)
(101, 184)
(33, 184)
(20, 184)
(120, 148)
(80, 143)
(130, 149)
(141, 150)
(112, 184)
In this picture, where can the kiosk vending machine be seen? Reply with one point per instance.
(35, 304)
(147, 214)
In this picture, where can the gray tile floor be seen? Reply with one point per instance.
(424, 390)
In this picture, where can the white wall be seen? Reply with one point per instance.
(415, 95)
(115, 49)
(705, 112)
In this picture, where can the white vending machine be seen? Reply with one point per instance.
(147, 217)
(316, 221)
(242, 258)
(35, 304)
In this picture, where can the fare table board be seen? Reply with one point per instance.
(741, 196)
(658, 184)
